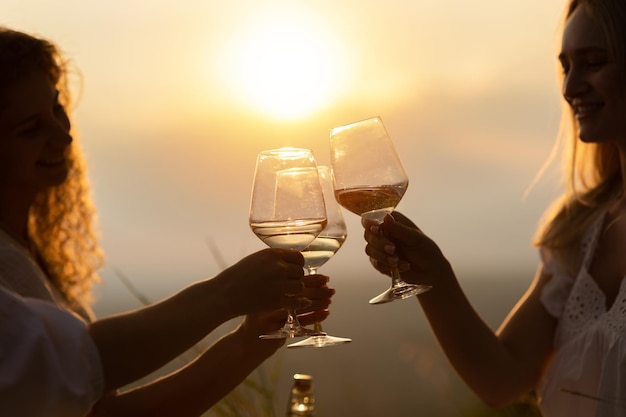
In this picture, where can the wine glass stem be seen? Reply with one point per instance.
(292, 319)
(395, 277)
(317, 327)
(311, 270)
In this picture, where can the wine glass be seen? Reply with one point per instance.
(325, 245)
(287, 210)
(370, 181)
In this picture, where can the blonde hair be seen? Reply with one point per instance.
(62, 219)
(591, 171)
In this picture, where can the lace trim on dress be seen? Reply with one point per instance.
(557, 290)
(586, 307)
(616, 316)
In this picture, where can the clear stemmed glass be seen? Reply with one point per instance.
(370, 181)
(287, 210)
(325, 245)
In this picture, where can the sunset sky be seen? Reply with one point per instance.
(176, 98)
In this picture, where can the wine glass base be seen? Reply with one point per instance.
(399, 292)
(320, 340)
(288, 333)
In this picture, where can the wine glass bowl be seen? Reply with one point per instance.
(287, 210)
(370, 181)
(294, 220)
(372, 203)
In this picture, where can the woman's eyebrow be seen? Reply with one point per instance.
(582, 51)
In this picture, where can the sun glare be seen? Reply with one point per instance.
(283, 64)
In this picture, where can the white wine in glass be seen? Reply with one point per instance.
(287, 210)
(370, 181)
(324, 247)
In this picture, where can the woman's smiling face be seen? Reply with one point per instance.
(592, 82)
(34, 137)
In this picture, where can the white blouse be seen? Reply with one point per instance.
(587, 376)
(49, 365)
(21, 274)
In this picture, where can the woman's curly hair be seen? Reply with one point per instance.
(62, 219)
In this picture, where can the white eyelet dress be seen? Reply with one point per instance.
(587, 376)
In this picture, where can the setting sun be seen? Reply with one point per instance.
(284, 64)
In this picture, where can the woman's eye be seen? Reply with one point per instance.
(595, 61)
(595, 64)
(30, 129)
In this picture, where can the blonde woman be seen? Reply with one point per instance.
(566, 337)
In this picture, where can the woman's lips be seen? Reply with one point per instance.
(583, 110)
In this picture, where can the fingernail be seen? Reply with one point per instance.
(390, 248)
(392, 260)
(374, 229)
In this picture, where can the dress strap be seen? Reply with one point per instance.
(590, 241)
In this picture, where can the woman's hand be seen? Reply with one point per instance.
(399, 242)
(319, 296)
(315, 290)
(269, 279)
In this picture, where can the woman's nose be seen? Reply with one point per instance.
(574, 84)
(60, 134)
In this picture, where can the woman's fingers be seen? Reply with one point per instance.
(315, 280)
(306, 319)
